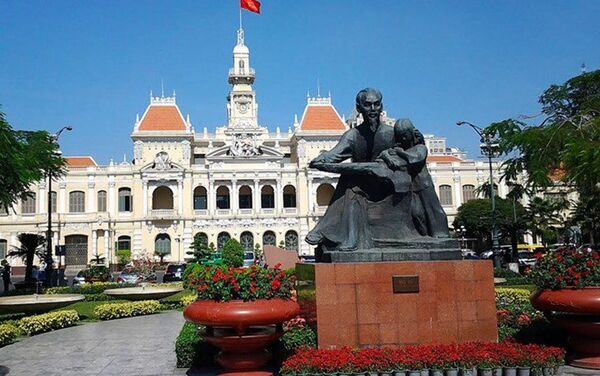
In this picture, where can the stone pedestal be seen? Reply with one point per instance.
(354, 304)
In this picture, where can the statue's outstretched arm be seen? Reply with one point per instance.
(340, 152)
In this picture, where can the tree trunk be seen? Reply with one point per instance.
(28, 267)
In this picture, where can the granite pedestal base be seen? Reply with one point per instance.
(354, 304)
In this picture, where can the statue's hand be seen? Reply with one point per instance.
(392, 161)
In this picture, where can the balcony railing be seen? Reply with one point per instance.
(223, 211)
(290, 210)
(200, 212)
(267, 211)
(246, 211)
(163, 213)
(242, 72)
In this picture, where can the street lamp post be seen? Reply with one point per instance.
(489, 147)
(49, 259)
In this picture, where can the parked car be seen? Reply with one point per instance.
(78, 279)
(174, 272)
(248, 259)
(214, 259)
(129, 275)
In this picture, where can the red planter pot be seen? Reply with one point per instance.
(577, 311)
(242, 330)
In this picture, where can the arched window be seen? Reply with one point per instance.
(269, 238)
(289, 196)
(324, 194)
(101, 201)
(247, 241)
(162, 244)
(291, 240)
(28, 204)
(53, 201)
(162, 198)
(222, 238)
(125, 200)
(445, 195)
(200, 201)
(245, 197)
(124, 243)
(267, 197)
(468, 192)
(77, 249)
(3, 248)
(223, 197)
(76, 202)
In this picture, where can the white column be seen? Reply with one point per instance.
(62, 208)
(107, 252)
(111, 197)
(457, 191)
(256, 196)
(310, 195)
(211, 197)
(91, 198)
(180, 197)
(145, 197)
(41, 198)
(234, 195)
(278, 196)
(95, 242)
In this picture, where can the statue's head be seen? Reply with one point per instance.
(369, 103)
(404, 133)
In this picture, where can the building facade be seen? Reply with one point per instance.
(241, 181)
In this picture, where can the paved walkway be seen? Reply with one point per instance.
(138, 346)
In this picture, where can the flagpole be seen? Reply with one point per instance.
(240, 18)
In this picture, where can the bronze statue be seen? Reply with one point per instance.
(385, 199)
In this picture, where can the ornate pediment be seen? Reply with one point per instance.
(238, 152)
(162, 168)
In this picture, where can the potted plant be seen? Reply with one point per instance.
(568, 293)
(96, 273)
(242, 309)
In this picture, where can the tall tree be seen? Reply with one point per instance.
(563, 147)
(31, 245)
(26, 157)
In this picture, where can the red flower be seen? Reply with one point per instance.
(277, 266)
(275, 284)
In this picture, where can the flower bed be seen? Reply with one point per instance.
(119, 310)
(514, 311)
(222, 283)
(434, 357)
(48, 321)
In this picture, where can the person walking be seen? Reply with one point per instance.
(6, 275)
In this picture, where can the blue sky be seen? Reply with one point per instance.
(92, 64)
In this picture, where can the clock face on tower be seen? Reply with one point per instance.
(243, 104)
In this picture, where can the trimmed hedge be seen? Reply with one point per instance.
(188, 346)
(118, 310)
(186, 300)
(48, 321)
(87, 288)
(8, 333)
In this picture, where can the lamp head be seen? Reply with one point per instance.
(460, 122)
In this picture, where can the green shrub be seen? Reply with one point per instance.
(188, 346)
(8, 333)
(88, 288)
(233, 253)
(188, 299)
(118, 310)
(297, 337)
(48, 321)
(124, 256)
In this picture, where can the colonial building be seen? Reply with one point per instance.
(241, 181)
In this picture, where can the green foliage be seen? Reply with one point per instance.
(543, 218)
(564, 146)
(27, 157)
(118, 310)
(31, 245)
(476, 216)
(124, 256)
(48, 321)
(514, 311)
(8, 333)
(97, 259)
(189, 346)
(233, 253)
(200, 247)
(87, 288)
(188, 299)
(100, 272)
(299, 337)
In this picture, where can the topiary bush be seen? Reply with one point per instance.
(188, 345)
(298, 337)
(8, 333)
(48, 321)
(233, 253)
(118, 310)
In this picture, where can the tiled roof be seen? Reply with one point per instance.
(321, 118)
(557, 174)
(443, 158)
(75, 162)
(162, 118)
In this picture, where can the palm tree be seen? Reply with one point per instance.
(31, 245)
